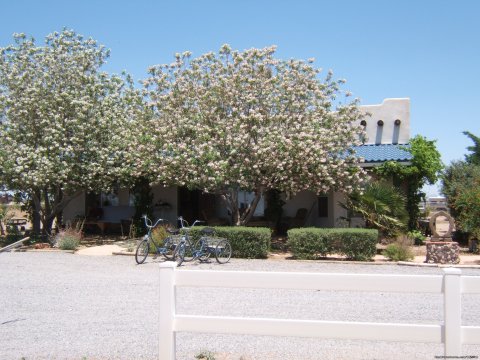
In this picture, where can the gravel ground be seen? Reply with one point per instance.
(64, 306)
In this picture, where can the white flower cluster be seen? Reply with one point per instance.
(66, 125)
(232, 120)
(249, 121)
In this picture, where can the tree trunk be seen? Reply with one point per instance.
(53, 205)
(36, 218)
(239, 218)
(36, 222)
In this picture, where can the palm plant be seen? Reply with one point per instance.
(381, 205)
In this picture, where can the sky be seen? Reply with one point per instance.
(428, 51)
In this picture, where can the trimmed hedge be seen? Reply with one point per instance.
(247, 242)
(312, 243)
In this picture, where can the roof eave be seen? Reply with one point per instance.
(378, 163)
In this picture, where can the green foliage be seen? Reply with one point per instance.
(312, 243)
(357, 245)
(5, 215)
(425, 168)
(143, 204)
(417, 237)
(309, 243)
(461, 186)
(247, 242)
(381, 205)
(474, 157)
(399, 250)
(468, 206)
(205, 355)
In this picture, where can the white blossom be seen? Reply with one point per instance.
(246, 120)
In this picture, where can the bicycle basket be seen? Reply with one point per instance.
(213, 242)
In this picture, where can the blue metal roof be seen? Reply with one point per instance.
(383, 152)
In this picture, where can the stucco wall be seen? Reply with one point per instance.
(389, 111)
(165, 195)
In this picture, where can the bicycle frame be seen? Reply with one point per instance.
(169, 249)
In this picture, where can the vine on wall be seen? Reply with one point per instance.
(425, 168)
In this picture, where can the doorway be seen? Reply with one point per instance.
(195, 204)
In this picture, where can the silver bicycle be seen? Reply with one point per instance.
(172, 249)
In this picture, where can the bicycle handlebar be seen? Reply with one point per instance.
(183, 222)
(148, 222)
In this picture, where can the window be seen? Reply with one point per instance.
(110, 199)
(131, 198)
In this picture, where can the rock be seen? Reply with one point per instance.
(439, 252)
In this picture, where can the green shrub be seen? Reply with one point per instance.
(205, 355)
(357, 244)
(398, 252)
(417, 237)
(247, 242)
(312, 243)
(309, 243)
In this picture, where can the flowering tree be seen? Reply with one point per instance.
(246, 121)
(65, 125)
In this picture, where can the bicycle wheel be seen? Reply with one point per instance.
(180, 254)
(168, 251)
(189, 251)
(202, 251)
(142, 252)
(223, 251)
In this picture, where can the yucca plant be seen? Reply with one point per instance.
(381, 205)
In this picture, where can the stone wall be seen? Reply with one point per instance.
(440, 252)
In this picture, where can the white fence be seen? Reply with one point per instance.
(451, 284)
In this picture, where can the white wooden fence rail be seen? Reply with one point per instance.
(451, 284)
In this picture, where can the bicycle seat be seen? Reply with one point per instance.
(208, 231)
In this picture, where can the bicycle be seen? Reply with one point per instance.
(172, 248)
(189, 248)
(209, 245)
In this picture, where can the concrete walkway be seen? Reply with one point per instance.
(102, 250)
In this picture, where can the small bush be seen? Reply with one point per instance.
(399, 251)
(358, 244)
(247, 242)
(205, 355)
(68, 239)
(312, 243)
(159, 234)
(417, 237)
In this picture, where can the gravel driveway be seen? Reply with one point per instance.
(64, 306)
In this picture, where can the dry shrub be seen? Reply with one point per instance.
(399, 250)
(69, 238)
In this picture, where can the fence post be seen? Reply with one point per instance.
(167, 311)
(452, 304)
